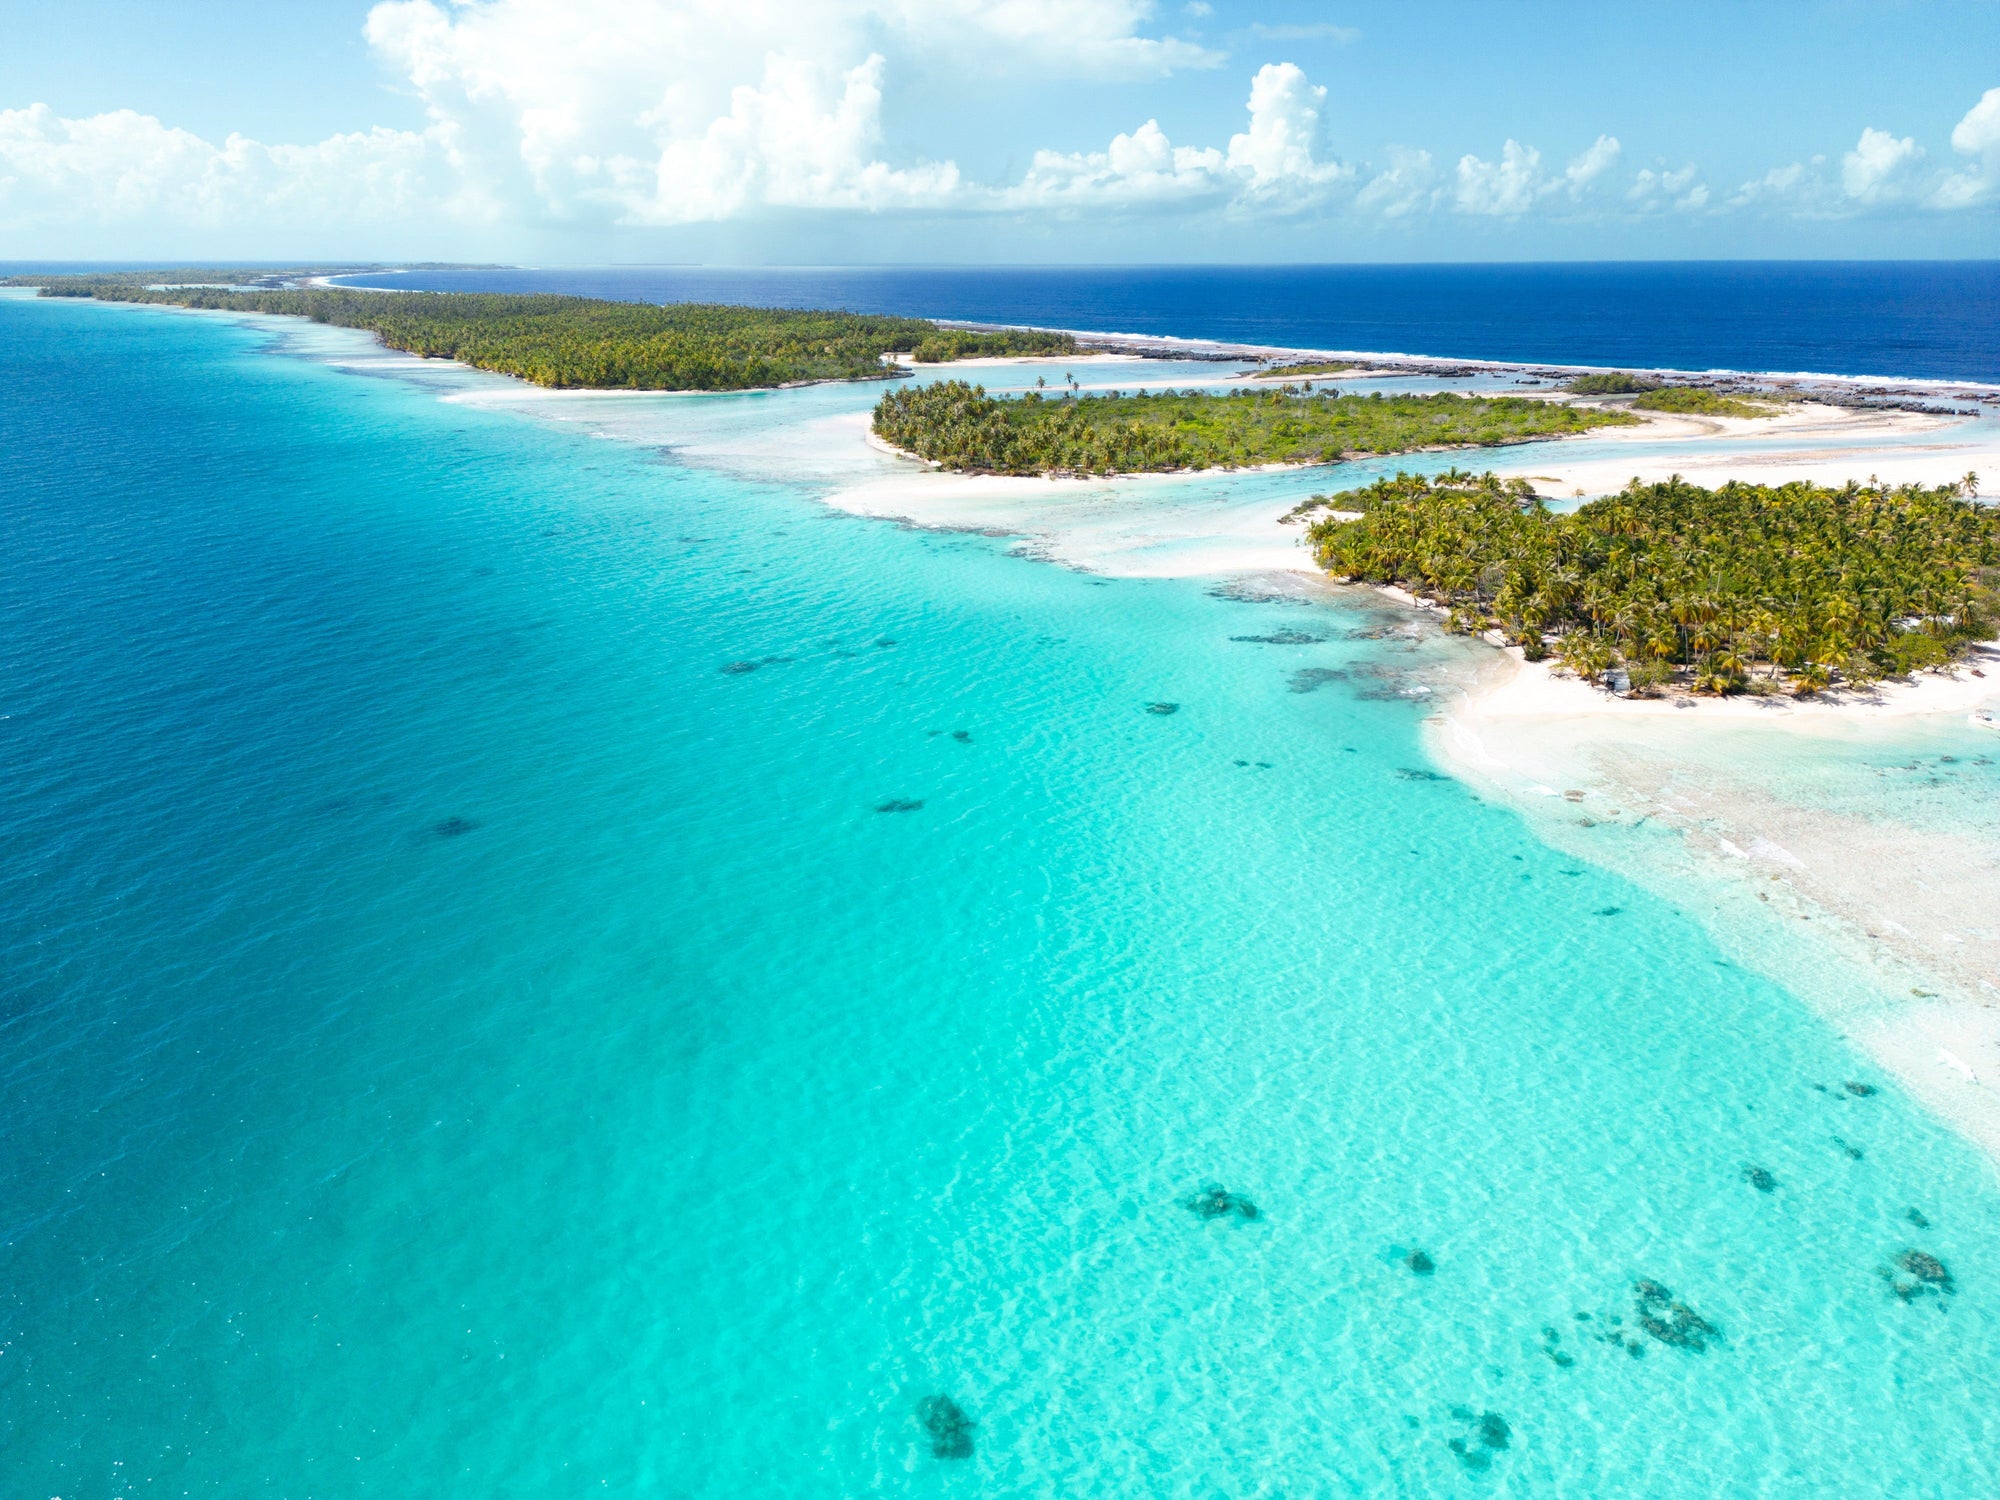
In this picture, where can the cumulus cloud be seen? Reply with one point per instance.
(1777, 184)
(1504, 187)
(1976, 136)
(1516, 182)
(654, 112)
(1879, 168)
(657, 113)
(1885, 171)
(1274, 160)
(1586, 167)
(1657, 189)
(788, 142)
(1142, 167)
(1281, 145)
(1407, 184)
(639, 112)
(122, 165)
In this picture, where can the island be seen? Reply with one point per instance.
(570, 343)
(1293, 369)
(960, 427)
(1669, 586)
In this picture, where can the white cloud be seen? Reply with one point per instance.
(1281, 145)
(1886, 171)
(1404, 186)
(657, 112)
(595, 113)
(122, 165)
(1505, 187)
(1778, 183)
(1678, 188)
(788, 142)
(1808, 189)
(1586, 167)
(1139, 168)
(1878, 169)
(1275, 160)
(1516, 183)
(1977, 136)
(1979, 131)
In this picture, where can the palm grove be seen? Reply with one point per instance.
(959, 426)
(1740, 587)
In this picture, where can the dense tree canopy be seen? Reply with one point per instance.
(1693, 400)
(961, 427)
(1611, 383)
(572, 342)
(1745, 586)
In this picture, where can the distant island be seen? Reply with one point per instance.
(570, 343)
(959, 427)
(1746, 587)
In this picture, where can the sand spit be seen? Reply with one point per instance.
(1141, 526)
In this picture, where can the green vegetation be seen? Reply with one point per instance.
(942, 345)
(1693, 400)
(581, 342)
(1675, 583)
(1308, 367)
(1611, 383)
(1655, 395)
(961, 427)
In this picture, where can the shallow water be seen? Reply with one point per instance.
(471, 1027)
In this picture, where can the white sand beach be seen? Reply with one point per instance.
(1891, 925)
(1818, 443)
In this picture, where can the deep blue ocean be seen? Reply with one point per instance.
(543, 965)
(1938, 319)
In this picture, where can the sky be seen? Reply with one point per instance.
(823, 132)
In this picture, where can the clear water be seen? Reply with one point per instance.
(459, 1039)
(1939, 319)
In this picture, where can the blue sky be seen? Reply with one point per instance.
(824, 131)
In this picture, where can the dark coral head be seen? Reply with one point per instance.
(949, 1427)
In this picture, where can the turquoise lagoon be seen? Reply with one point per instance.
(471, 1028)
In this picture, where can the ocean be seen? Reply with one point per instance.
(1918, 319)
(541, 961)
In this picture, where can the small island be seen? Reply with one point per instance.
(959, 427)
(1743, 588)
(1297, 368)
(573, 343)
(1678, 398)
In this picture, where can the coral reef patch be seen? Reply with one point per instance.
(949, 1427)
(1213, 1201)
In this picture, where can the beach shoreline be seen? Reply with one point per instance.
(1890, 930)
